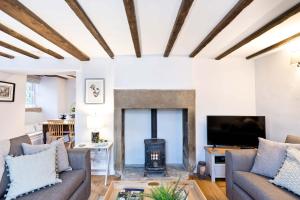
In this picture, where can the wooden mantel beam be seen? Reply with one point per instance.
(181, 15)
(19, 12)
(6, 55)
(28, 41)
(16, 49)
(229, 17)
(274, 46)
(78, 10)
(131, 17)
(276, 21)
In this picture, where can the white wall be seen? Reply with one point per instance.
(55, 96)
(12, 114)
(34, 118)
(224, 87)
(278, 94)
(70, 94)
(51, 97)
(99, 68)
(153, 73)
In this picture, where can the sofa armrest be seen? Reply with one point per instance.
(237, 160)
(80, 159)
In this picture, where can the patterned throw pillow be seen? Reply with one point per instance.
(270, 157)
(62, 154)
(289, 174)
(31, 172)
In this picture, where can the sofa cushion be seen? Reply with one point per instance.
(239, 193)
(292, 139)
(266, 163)
(71, 180)
(31, 172)
(15, 150)
(259, 187)
(288, 175)
(16, 145)
(62, 155)
(4, 183)
(4, 151)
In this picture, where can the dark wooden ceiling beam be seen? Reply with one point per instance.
(72, 76)
(229, 17)
(181, 15)
(6, 55)
(274, 46)
(18, 11)
(131, 17)
(276, 21)
(78, 10)
(16, 49)
(57, 76)
(28, 41)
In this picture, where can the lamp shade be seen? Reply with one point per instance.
(93, 122)
(295, 58)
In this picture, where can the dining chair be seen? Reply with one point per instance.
(71, 133)
(56, 129)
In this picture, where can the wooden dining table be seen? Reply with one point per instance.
(46, 129)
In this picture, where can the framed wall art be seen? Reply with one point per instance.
(7, 91)
(94, 91)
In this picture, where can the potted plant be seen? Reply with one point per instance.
(72, 111)
(170, 192)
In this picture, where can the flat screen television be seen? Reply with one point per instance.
(240, 131)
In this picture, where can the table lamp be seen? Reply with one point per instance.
(93, 123)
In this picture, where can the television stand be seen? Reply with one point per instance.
(215, 161)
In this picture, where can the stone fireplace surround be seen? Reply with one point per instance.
(159, 99)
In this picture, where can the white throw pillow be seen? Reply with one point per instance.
(289, 174)
(270, 157)
(31, 172)
(62, 154)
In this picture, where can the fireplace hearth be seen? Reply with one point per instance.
(155, 150)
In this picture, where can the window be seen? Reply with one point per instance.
(31, 91)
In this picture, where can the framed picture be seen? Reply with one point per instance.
(94, 91)
(7, 91)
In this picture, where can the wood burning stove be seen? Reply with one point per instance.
(155, 150)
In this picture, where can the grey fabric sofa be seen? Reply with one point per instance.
(76, 184)
(241, 184)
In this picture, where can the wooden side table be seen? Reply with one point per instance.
(107, 147)
(215, 161)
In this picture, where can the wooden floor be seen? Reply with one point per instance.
(212, 191)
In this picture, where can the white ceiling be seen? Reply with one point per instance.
(155, 21)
